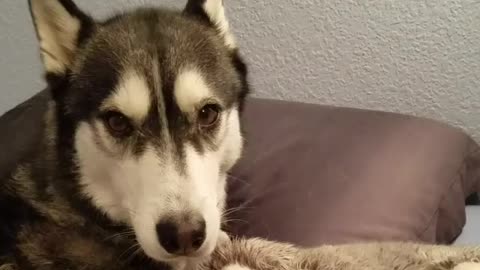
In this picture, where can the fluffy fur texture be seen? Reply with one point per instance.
(258, 254)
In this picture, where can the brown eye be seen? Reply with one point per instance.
(208, 115)
(118, 123)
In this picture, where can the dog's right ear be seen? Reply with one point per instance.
(213, 12)
(61, 28)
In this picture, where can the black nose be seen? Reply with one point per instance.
(181, 238)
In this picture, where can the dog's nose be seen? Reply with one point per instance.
(181, 239)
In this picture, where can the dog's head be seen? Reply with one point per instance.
(148, 105)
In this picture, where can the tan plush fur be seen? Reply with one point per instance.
(257, 254)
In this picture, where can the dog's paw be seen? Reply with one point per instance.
(236, 267)
(467, 266)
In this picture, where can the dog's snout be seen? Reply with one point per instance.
(181, 238)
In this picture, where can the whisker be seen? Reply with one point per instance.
(236, 220)
(126, 233)
(134, 246)
(137, 251)
(236, 209)
(236, 178)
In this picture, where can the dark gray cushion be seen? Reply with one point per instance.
(21, 128)
(313, 175)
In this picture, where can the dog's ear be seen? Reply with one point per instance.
(61, 27)
(213, 12)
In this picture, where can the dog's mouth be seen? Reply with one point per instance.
(194, 257)
(192, 261)
(134, 251)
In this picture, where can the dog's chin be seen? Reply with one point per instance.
(184, 262)
(188, 263)
(201, 258)
(181, 262)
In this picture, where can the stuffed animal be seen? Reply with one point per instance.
(258, 254)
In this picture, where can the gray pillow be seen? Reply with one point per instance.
(21, 128)
(319, 175)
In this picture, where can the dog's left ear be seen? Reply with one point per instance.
(61, 27)
(213, 12)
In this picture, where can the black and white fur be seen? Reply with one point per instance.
(143, 126)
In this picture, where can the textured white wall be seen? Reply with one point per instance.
(418, 57)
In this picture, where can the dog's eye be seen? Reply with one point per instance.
(118, 123)
(208, 115)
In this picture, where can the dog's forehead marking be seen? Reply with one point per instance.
(131, 96)
(190, 89)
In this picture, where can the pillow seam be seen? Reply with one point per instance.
(458, 176)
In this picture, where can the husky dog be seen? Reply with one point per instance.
(142, 128)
